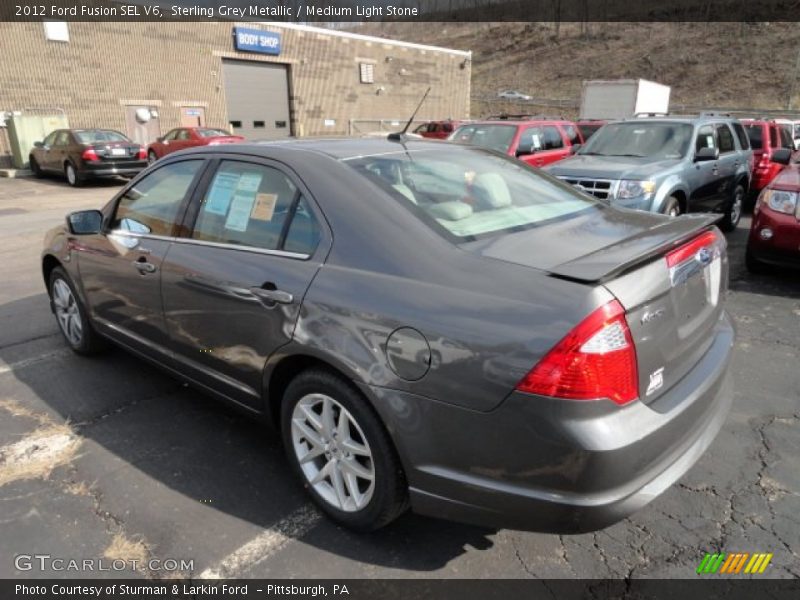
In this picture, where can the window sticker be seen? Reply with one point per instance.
(249, 182)
(536, 141)
(221, 194)
(264, 207)
(239, 214)
(710, 141)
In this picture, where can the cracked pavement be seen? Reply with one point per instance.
(158, 470)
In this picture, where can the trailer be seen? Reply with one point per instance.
(622, 99)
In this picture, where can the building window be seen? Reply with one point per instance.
(258, 124)
(236, 124)
(56, 31)
(280, 124)
(367, 71)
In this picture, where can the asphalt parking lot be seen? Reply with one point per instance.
(107, 457)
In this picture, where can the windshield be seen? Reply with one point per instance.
(470, 193)
(640, 139)
(96, 136)
(211, 132)
(494, 137)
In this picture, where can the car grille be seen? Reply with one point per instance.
(600, 188)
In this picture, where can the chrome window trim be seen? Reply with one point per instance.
(192, 241)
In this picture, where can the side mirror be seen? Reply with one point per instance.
(706, 154)
(85, 222)
(525, 147)
(781, 156)
(574, 148)
(38, 144)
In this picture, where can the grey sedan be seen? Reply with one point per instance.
(429, 326)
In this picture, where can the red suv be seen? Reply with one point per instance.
(438, 130)
(775, 231)
(766, 136)
(536, 142)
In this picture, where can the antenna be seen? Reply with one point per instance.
(399, 136)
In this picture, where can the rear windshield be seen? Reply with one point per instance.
(588, 131)
(641, 139)
(211, 132)
(96, 136)
(467, 194)
(494, 137)
(755, 132)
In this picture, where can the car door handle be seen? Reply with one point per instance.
(272, 295)
(143, 266)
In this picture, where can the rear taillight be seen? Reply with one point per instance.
(690, 249)
(90, 154)
(764, 163)
(142, 154)
(597, 359)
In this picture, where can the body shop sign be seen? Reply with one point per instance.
(255, 40)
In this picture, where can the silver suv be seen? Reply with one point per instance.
(670, 165)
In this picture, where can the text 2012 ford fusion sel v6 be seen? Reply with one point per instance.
(429, 325)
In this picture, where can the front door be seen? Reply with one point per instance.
(121, 267)
(705, 175)
(729, 161)
(232, 288)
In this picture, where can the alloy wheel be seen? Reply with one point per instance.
(67, 312)
(736, 208)
(333, 452)
(71, 175)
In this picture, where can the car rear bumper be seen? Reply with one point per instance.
(110, 170)
(540, 464)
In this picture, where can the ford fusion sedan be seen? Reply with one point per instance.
(82, 154)
(182, 138)
(431, 327)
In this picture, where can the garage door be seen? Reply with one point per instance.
(258, 99)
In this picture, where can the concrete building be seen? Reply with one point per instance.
(262, 80)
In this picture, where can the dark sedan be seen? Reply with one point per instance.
(311, 283)
(81, 154)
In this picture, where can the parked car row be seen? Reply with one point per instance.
(82, 154)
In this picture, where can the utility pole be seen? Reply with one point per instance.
(794, 81)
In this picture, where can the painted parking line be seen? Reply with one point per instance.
(27, 362)
(266, 544)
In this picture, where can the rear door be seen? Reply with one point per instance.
(234, 283)
(729, 161)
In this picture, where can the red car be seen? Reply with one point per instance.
(438, 130)
(775, 232)
(536, 142)
(766, 137)
(188, 137)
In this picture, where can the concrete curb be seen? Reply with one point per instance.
(15, 173)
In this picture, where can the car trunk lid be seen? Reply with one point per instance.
(115, 151)
(670, 276)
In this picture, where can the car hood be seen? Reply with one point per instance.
(594, 245)
(610, 167)
(788, 179)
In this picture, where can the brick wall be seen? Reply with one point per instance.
(105, 66)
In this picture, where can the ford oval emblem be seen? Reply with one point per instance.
(703, 256)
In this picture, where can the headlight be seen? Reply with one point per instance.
(630, 188)
(780, 201)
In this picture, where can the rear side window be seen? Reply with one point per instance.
(725, 138)
(304, 232)
(755, 132)
(740, 133)
(151, 205)
(249, 205)
(552, 138)
(786, 137)
(572, 134)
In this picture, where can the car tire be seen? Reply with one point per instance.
(752, 263)
(733, 212)
(335, 463)
(672, 207)
(35, 168)
(71, 315)
(151, 157)
(71, 173)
